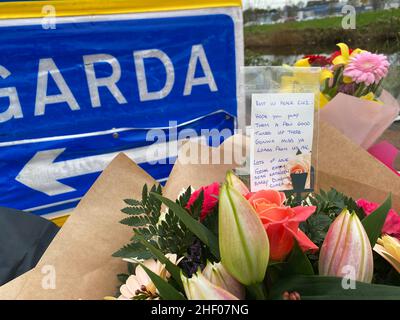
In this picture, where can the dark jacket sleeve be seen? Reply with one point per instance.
(24, 238)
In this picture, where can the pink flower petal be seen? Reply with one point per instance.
(304, 242)
(270, 196)
(367, 68)
(303, 213)
(275, 214)
(210, 194)
(392, 223)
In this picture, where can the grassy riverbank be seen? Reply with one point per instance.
(379, 30)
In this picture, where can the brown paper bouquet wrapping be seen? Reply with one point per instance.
(362, 121)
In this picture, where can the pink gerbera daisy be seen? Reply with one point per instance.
(367, 67)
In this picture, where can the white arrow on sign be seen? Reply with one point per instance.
(42, 173)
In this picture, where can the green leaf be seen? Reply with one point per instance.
(133, 210)
(276, 263)
(172, 268)
(205, 235)
(136, 221)
(211, 221)
(196, 207)
(316, 227)
(133, 250)
(144, 193)
(122, 277)
(325, 288)
(166, 291)
(298, 263)
(185, 197)
(374, 222)
(169, 236)
(132, 202)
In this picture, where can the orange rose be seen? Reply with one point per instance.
(282, 223)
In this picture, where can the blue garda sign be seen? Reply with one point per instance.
(73, 97)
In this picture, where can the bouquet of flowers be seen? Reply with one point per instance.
(352, 98)
(358, 73)
(224, 242)
(264, 244)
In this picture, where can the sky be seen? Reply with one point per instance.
(265, 3)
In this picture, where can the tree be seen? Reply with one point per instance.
(250, 14)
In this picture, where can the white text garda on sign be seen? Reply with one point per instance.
(47, 66)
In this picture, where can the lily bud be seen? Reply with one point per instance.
(219, 276)
(243, 242)
(236, 183)
(199, 288)
(346, 251)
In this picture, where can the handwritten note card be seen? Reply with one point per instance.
(282, 126)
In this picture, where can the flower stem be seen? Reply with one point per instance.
(360, 90)
(258, 291)
(337, 77)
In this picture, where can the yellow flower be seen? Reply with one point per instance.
(389, 249)
(325, 74)
(299, 81)
(304, 80)
(345, 56)
(303, 63)
(323, 100)
(371, 97)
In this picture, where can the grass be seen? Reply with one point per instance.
(363, 19)
(375, 31)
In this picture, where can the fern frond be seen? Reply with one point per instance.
(133, 250)
(134, 210)
(136, 221)
(168, 235)
(132, 202)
